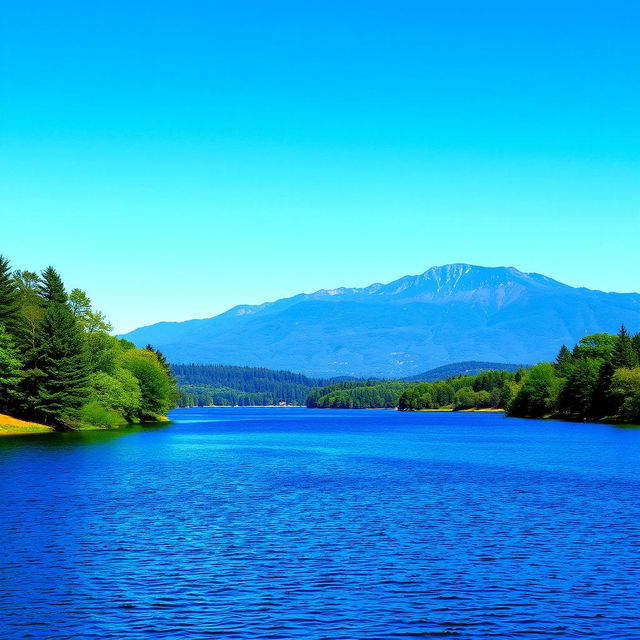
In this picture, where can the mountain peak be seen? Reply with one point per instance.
(449, 313)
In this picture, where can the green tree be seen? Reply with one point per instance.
(51, 287)
(507, 394)
(602, 404)
(636, 345)
(597, 345)
(563, 360)
(582, 377)
(625, 389)
(465, 398)
(624, 354)
(31, 309)
(62, 383)
(9, 372)
(91, 321)
(9, 298)
(119, 392)
(161, 358)
(156, 387)
(539, 392)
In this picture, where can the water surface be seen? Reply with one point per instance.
(289, 523)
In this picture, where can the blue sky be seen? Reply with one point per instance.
(177, 160)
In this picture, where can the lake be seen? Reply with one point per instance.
(294, 523)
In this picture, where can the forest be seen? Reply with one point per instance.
(358, 394)
(225, 385)
(597, 380)
(487, 390)
(61, 367)
(460, 392)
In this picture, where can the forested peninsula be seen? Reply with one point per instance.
(60, 367)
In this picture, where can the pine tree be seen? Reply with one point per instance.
(563, 358)
(9, 372)
(51, 287)
(636, 345)
(9, 298)
(601, 403)
(62, 387)
(624, 355)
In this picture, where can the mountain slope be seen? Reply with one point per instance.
(448, 314)
(470, 368)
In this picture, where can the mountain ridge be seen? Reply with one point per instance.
(446, 314)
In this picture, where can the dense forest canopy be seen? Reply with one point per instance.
(467, 368)
(360, 394)
(225, 385)
(599, 379)
(487, 390)
(461, 392)
(59, 364)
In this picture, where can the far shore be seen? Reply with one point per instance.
(450, 410)
(301, 406)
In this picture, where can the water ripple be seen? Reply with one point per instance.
(342, 525)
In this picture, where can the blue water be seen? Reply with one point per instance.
(288, 523)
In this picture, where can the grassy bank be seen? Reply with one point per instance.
(12, 426)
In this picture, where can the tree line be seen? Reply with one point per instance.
(359, 394)
(487, 390)
(599, 379)
(59, 364)
(228, 385)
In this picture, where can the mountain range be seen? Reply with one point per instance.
(447, 314)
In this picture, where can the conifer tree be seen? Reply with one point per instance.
(9, 372)
(9, 298)
(161, 359)
(601, 403)
(62, 387)
(51, 287)
(636, 345)
(563, 358)
(624, 355)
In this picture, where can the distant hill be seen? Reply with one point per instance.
(201, 385)
(453, 313)
(470, 368)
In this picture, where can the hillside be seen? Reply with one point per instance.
(453, 313)
(470, 368)
(202, 385)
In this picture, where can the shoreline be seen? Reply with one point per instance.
(10, 426)
(449, 410)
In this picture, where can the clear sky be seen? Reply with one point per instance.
(176, 159)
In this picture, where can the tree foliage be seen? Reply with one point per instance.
(225, 385)
(598, 380)
(9, 297)
(360, 394)
(482, 391)
(59, 365)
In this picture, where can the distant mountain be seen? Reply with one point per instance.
(453, 313)
(470, 368)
